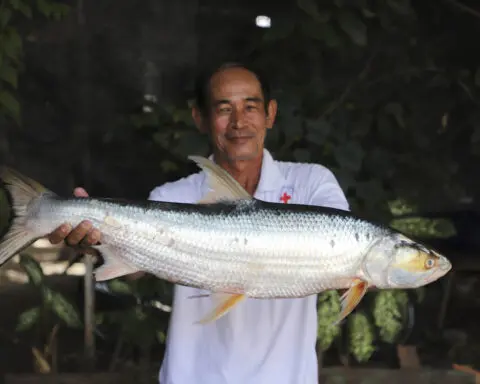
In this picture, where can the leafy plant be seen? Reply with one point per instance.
(143, 324)
(11, 46)
(52, 300)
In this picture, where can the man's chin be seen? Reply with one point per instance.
(241, 154)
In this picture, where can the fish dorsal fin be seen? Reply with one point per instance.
(223, 185)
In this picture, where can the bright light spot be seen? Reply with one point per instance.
(263, 21)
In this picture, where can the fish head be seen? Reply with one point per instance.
(399, 262)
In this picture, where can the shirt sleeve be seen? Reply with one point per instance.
(326, 191)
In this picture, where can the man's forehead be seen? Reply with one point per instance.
(235, 83)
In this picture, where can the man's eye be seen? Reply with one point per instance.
(251, 107)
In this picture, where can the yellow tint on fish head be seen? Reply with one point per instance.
(412, 259)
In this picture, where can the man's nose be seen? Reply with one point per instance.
(238, 119)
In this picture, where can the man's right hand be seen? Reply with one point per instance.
(83, 233)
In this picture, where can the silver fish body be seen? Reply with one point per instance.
(230, 243)
(262, 249)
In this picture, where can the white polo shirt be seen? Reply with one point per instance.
(258, 341)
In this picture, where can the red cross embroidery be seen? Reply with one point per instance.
(285, 197)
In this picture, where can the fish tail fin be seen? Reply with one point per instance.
(20, 192)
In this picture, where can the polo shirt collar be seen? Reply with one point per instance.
(271, 178)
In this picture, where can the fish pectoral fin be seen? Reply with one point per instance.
(223, 185)
(351, 298)
(224, 302)
(113, 266)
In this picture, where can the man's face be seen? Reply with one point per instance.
(237, 120)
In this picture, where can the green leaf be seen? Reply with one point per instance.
(353, 26)
(32, 269)
(396, 110)
(191, 143)
(5, 17)
(361, 337)
(21, 6)
(388, 312)
(168, 166)
(119, 286)
(59, 10)
(44, 8)
(327, 312)
(301, 155)
(27, 319)
(349, 155)
(317, 130)
(62, 308)
(9, 74)
(368, 13)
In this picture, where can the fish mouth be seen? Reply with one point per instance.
(445, 265)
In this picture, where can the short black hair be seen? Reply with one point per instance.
(202, 83)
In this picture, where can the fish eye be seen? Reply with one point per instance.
(429, 263)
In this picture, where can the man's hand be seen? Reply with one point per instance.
(84, 232)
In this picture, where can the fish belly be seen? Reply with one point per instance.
(238, 254)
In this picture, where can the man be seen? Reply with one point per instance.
(258, 341)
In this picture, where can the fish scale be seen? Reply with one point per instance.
(229, 243)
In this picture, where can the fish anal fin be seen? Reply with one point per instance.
(113, 266)
(224, 302)
(223, 186)
(351, 298)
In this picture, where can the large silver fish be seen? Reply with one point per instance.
(229, 243)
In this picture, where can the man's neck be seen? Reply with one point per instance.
(245, 172)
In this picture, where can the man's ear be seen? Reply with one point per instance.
(198, 119)
(272, 113)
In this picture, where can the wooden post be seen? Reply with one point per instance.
(83, 136)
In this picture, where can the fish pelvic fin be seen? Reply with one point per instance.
(351, 298)
(223, 185)
(224, 303)
(21, 191)
(113, 267)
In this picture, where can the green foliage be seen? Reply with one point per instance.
(389, 311)
(28, 319)
(11, 46)
(142, 325)
(52, 301)
(361, 337)
(365, 91)
(328, 310)
(425, 228)
(173, 131)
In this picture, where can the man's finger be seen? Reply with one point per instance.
(59, 234)
(93, 237)
(79, 232)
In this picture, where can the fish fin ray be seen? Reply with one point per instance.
(21, 190)
(224, 302)
(113, 266)
(223, 185)
(351, 298)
